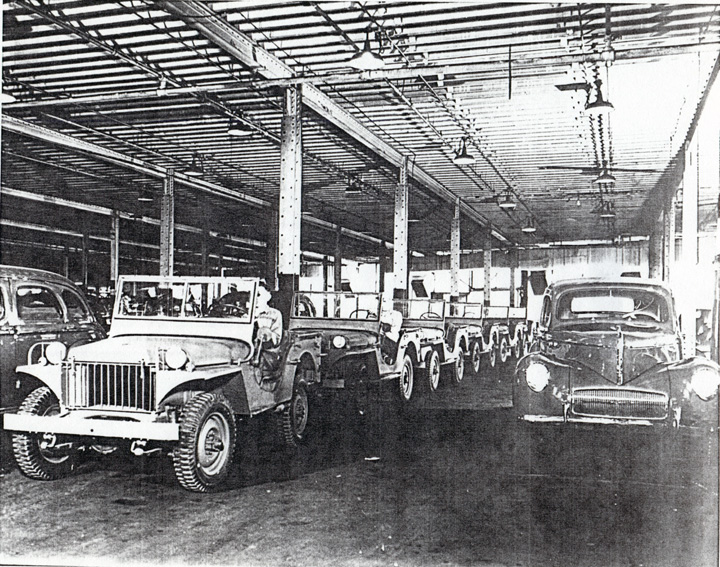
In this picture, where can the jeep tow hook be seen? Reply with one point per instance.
(137, 448)
(49, 441)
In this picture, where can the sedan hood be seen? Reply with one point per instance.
(133, 349)
(618, 356)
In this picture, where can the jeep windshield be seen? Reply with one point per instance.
(186, 298)
(639, 308)
(336, 305)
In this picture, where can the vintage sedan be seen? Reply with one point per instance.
(179, 368)
(610, 351)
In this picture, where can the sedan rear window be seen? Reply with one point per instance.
(38, 304)
(625, 304)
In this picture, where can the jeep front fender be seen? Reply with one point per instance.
(48, 374)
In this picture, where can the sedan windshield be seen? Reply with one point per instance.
(633, 306)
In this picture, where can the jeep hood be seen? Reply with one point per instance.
(133, 349)
(619, 356)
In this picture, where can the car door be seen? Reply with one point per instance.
(40, 319)
(80, 325)
(8, 356)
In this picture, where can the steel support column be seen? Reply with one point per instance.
(271, 261)
(689, 248)
(167, 225)
(114, 248)
(513, 268)
(455, 253)
(337, 268)
(290, 204)
(400, 235)
(669, 238)
(655, 249)
(84, 260)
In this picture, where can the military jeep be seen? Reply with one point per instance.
(175, 374)
(366, 341)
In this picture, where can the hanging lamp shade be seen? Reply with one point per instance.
(353, 188)
(463, 157)
(599, 106)
(529, 227)
(608, 210)
(145, 196)
(604, 178)
(238, 129)
(507, 203)
(366, 59)
(196, 168)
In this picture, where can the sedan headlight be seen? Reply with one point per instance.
(55, 352)
(537, 376)
(175, 357)
(705, 383)
(339, 341)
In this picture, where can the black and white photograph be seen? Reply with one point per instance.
(400, 283)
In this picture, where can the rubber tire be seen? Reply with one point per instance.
(292, 421)
(493, 356)
(432, 372)
(205, 416)
(33, 461)
(475, 357)
(457, 370)
(406, 380)
(518, 348)
(504, 350)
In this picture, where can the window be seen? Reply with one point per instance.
(75, 307)
(546, 311)
(38, 304)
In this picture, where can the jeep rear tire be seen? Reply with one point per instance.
(204, 454)
(457, 369)
(292, 421)
(33, 460)
(504, 349)
(475, 357)
(406, 380)
(432, 372)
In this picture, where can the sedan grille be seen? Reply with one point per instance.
(106, 385)
(619, 403)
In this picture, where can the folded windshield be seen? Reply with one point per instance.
(220, 299)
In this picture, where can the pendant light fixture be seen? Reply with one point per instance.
(507, 204)
(366, 59)
(599, 106)
(239, 129)
(529, 227)
(196, 169)
(463, 157)
(6, 98)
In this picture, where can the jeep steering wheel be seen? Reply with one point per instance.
(226, 310)
(356, 314)
(430, 315)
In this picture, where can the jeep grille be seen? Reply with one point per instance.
(619, 403)
(107, 385)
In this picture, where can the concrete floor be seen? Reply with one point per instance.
(454, 483)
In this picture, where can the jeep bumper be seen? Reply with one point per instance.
(70, 425)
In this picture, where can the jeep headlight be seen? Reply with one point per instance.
(705, 383)
(175, 357)
(55, 352)
(339, 341)
(537, 376)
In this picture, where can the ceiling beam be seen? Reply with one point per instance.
(35, 131)
(202, 18)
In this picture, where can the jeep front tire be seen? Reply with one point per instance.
(204, 454)
(34, 460)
